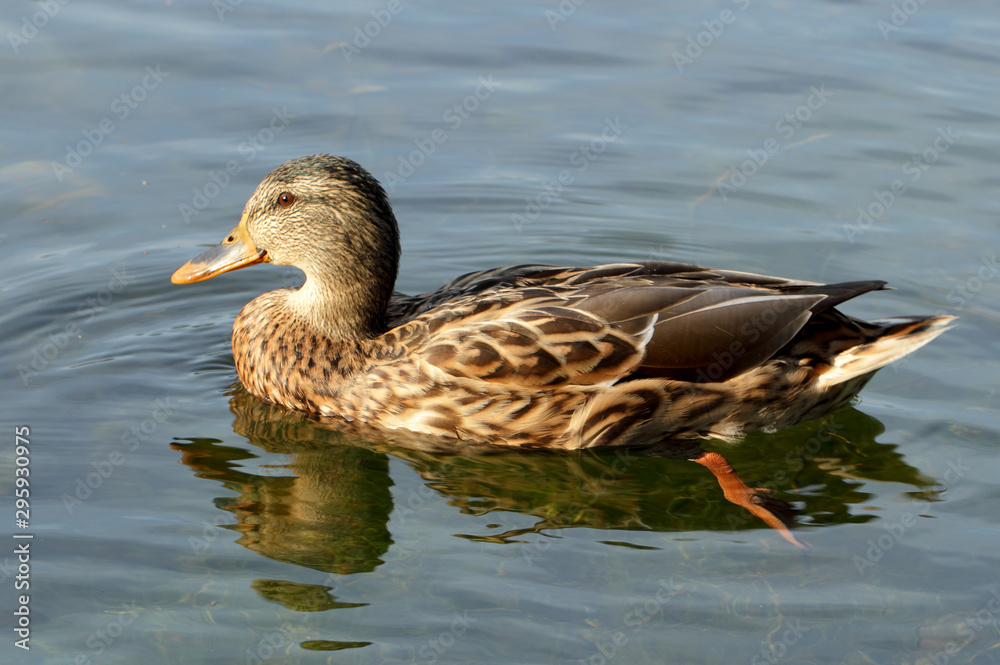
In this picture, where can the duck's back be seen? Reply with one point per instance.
(669, 320)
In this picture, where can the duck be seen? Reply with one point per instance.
(533, 356)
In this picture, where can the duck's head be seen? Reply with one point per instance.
(329, 217)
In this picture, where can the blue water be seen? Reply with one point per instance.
(176, 519)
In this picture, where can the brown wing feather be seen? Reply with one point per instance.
(534, 343)
(531, 326)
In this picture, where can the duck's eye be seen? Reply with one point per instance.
(286, 199)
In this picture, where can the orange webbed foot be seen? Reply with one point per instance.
(758, 500)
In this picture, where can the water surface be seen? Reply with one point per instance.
(177, 519)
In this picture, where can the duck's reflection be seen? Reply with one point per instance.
(327, 508)
(330, 508)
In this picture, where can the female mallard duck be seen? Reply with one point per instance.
(531, 356)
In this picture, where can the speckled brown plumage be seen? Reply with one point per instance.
(533, 356)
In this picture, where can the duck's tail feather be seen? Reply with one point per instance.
(893, 339)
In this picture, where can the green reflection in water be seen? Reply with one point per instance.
(331, 512)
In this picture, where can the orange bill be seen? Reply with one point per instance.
(233, 253)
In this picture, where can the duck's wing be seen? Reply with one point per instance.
(533, 342)
(544, 326)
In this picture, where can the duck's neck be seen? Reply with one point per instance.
(342, 309)
(350, 268)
